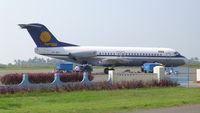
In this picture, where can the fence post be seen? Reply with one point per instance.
(110, 76)
(56, 80)
(85, 77)
(25, 81)
(160, 71)
(198, 75)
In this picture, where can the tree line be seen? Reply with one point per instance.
(35, 62)
(194, 60)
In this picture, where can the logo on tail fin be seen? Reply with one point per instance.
(45, 37)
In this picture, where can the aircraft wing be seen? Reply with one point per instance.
(115, 61)
(83, 54)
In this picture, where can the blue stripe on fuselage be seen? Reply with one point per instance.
(118, 56)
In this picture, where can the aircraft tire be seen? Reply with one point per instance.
(106, 70)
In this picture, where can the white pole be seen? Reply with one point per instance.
(198, 74)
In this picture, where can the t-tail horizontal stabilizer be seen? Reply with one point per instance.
(24, 26)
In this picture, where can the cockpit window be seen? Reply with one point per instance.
(177, 54)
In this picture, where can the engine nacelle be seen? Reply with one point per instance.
(83, 54)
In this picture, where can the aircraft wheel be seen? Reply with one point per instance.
(106, 70)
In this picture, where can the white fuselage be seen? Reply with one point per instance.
(114, 56)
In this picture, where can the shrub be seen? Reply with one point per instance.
(43, 77)
(167, 83)
(161, 83)
(92, 86)
(73, 76)
(14, 78)
(120, 85)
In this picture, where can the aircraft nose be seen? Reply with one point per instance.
(185, 60)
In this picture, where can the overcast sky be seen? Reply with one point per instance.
(149, 23)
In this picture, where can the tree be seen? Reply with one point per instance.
(36, 62)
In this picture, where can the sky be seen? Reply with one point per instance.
(132, 23)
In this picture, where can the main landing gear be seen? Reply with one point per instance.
(107, 69)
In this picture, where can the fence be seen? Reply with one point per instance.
(117, 77)
(57, 82)
(178, 74)
(198, 75)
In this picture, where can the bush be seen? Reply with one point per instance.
(43, 77)
(93, 86)
(119, 85)
(73, 76)
(11, 78)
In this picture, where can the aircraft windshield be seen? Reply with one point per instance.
(177, 53)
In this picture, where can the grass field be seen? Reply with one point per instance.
(98, 101)
(191, 65)
(50, 67)
(95, 67)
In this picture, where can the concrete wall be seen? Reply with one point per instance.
(118, 77)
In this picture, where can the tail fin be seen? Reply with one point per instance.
(42, 36)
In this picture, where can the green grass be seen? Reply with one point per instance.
(95, 67)
(98, 101)
(192, 65)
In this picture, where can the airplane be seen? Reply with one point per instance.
(48, 45)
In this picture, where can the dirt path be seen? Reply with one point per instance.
(177, 109)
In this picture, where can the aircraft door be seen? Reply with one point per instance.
(167, 58)
(168, 54)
